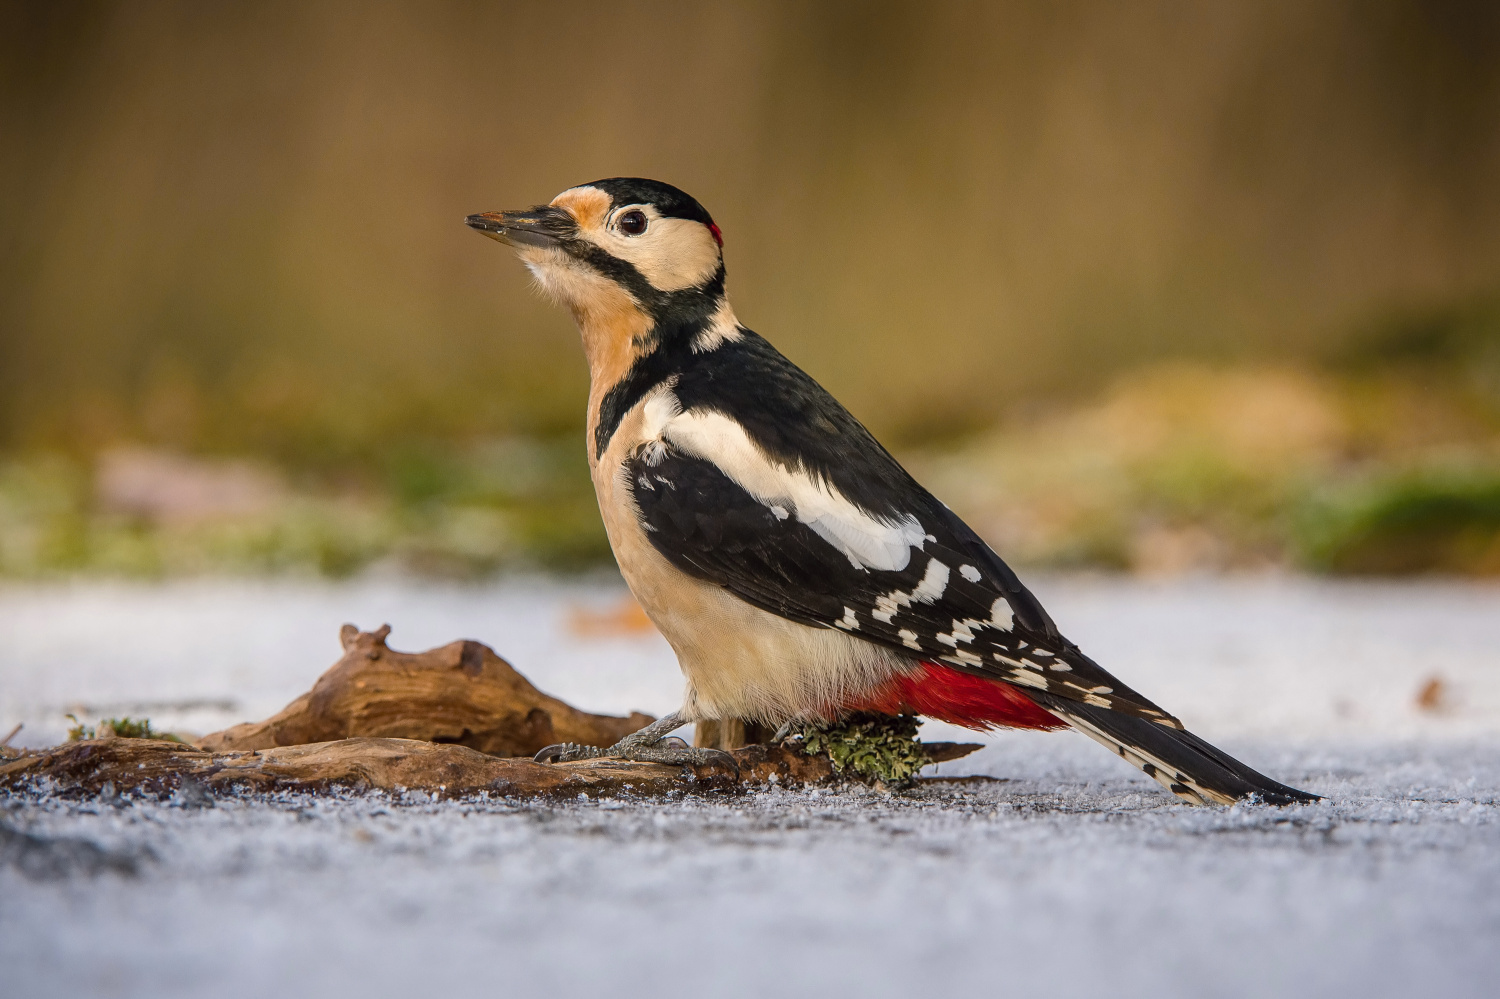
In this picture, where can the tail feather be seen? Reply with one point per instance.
(1181, 762)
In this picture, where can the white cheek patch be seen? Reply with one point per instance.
(672, 254)
(869, 542)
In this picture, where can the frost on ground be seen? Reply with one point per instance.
(1067, 873)
(1070, 880)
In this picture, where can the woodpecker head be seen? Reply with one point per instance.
(618, 246)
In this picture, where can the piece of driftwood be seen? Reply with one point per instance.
(159, 768)
(452, 721)
(461, 693)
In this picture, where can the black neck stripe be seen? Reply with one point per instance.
(648, 371)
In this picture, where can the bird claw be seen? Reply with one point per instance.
(672, 751)
(568, 752)
(682, 755)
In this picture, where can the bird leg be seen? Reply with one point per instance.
(649, 745)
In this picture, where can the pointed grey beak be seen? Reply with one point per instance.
(544, 226)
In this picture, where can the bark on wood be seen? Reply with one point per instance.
(461, 693)
(161, 768)
(156, 767)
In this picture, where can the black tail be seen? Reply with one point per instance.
(1180, 761)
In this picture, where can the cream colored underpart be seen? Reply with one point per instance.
(739, 661)
(672, 254)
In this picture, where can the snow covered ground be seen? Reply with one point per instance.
(1068, 873)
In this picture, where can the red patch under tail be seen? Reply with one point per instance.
(960, 698)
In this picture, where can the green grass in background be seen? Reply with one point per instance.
(1174, 468)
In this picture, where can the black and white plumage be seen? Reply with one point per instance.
(795, 567)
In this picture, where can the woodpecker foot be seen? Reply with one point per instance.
(650, 745)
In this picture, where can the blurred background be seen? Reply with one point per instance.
(1148, 287)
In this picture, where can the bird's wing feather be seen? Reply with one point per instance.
(919, 582)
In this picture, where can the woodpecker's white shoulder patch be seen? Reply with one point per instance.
(722, 328)
(868, 541)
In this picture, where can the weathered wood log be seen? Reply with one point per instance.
(451, 721)
(157, 767)
(461, 693)
(160, 768)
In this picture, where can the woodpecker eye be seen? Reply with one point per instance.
(633, 223)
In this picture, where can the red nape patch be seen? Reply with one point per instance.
(960, 698)
(718, 236)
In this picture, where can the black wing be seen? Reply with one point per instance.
(980, 620)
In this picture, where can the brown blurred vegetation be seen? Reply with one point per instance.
(234, 229)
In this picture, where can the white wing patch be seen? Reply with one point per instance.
(868, 541)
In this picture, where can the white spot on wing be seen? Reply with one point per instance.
(970, 573)
(963, 631)
(934, 583)
(1027, 678)
(848, 622)
(909, 639)
(1000, 615)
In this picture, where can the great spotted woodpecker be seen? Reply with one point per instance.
(797, 570)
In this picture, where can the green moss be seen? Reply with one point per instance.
(79, 729)
(868, 747)
(121, 728)
(1432, 520)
